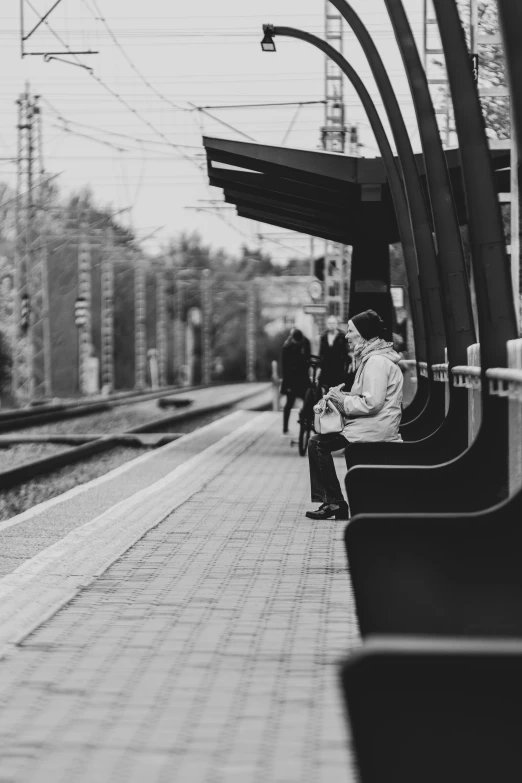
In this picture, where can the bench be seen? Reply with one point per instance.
(435, 710)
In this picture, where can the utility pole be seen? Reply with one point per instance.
(31, 371)
(179, 337)
(140, 309)
(107, 313)
(38, 273)
(251, 331)
(22, 336)
(334, 138)
(85, 300)
(206, 321)
(161, 324)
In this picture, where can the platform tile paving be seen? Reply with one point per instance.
(206, 653)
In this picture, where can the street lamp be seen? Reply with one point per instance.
(423, 263)
(268, 44)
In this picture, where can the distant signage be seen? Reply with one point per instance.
(315, 289)
(474, 64)
(315, 309)
(397, 295)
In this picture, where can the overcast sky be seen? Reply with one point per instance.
(203, 53)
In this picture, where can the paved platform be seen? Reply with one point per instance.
(189, 632)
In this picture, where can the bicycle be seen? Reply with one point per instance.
(306, 415)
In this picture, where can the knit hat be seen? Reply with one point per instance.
(369, 324)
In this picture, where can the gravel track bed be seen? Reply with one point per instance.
(18, 499)
(115, 420)
(17, 455)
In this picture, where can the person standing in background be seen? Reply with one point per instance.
(294, 366)
(333, 354)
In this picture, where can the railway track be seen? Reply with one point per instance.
(152, 433)
(46, 414)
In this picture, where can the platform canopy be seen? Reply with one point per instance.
(327, 195)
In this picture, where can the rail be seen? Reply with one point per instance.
(505, 382)
(440, 372)
(45, 465)
(467, 376)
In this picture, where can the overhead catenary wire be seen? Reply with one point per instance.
(160, 95)
(116, 95)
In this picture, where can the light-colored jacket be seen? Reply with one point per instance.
(373, 406)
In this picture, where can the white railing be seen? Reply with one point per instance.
(505, 382)
(440, 372)
(466, 375)
(423, 369)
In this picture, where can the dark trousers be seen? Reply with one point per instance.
(289, 404)
(324, 483)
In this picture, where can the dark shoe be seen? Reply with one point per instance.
(327, 511)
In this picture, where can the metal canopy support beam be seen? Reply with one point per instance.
(490, 263)
(429, 271)
(455, 286)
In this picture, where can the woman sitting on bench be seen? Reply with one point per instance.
(371, 411)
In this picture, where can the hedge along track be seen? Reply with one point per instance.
(148, 434)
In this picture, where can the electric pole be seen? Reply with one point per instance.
(22, 337)
(179, 337)
(84, 305)
(140, 309)
(333, 135)
(251, 331)
(161, 324)
(31, 370)
(41, 370)
(206, 320)
(107, 313)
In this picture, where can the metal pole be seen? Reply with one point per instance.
(455, 286)
(84, 292)
(107, 313)
(251, 332)
(19, 282)
(179, 340)
(30, 218)
(41, 339)
(139, 324)
(161, 325)
(206, 316)
(427, 343)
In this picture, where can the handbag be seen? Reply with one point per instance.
(329, 420)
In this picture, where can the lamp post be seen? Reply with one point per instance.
(429, 294)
